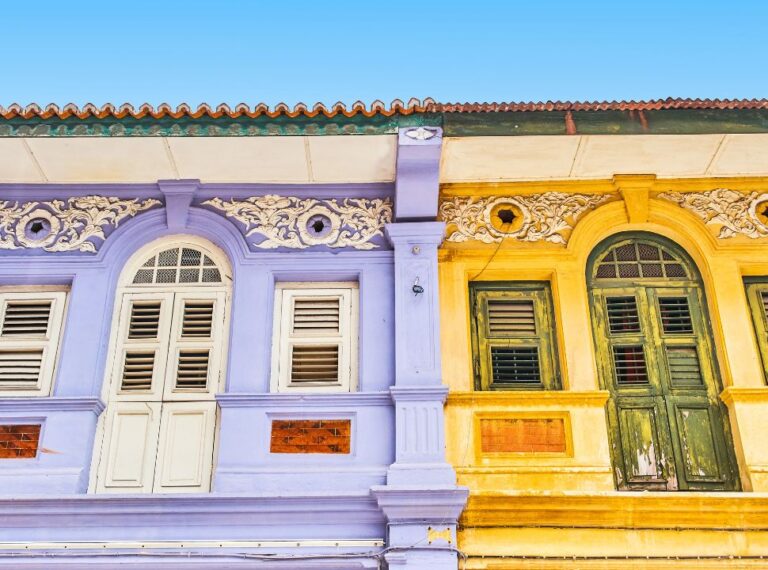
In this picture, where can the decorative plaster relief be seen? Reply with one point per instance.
(546, 216)
(287, 221)
(56, 226)
(735, 212)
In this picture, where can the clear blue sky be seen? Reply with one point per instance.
(236, 50)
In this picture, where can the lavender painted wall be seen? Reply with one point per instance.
(393, 485)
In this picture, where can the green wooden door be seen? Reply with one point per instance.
(668, 428)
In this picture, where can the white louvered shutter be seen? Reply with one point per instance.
(185, 452)
(130, 447)
(194, 361)
(30, 330)
(316, 338)
(142, 346)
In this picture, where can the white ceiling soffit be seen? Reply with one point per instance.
(487, 159)
(322, 159)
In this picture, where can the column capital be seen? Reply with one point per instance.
(407, 233)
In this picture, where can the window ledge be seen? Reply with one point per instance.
(595, 398)
(51, 404)
(615, 509)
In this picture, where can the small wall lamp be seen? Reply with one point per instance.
(417, 289)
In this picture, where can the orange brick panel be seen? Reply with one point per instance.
(522, 435)
(19, 441)
(310, 436)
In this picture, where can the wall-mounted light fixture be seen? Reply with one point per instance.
(417, 289)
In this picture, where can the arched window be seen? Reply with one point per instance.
(166, 366)
(656, 357)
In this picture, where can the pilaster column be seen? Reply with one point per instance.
(421, 500)
(418, 392)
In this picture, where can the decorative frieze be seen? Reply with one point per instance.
(64, 226)
(548, 216)
(744, 213)
(296, 223)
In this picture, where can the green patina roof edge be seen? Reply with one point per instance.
(455, 124)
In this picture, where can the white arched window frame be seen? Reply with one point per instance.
(166, 363)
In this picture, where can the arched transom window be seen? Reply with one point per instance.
(640, 259)
(167, 363)
(177, 265)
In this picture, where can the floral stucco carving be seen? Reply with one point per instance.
(64, 226)
(296, 223)
(734, 212)
(548, 216)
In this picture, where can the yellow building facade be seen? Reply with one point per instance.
(602, 338)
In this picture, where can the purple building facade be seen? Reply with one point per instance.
(227, 375)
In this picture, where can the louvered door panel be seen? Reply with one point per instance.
(511, 317)
(142, 345)
(20, 368)
(195, 351)
(26, 318)
(318, 316)
(30, 327)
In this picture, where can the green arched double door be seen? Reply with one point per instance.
(668, 428)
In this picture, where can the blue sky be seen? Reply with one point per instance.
(252, 51)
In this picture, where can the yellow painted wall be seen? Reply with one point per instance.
(586, 469)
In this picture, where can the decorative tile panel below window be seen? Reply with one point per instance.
(19, 441)
(523, 435)
(311, 436)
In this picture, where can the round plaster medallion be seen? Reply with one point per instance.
(38, 228)
(504, 216)
(318, 226)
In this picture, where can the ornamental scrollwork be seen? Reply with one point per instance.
(296, 223)
(734, 212)
(548, 216)
(64, 226)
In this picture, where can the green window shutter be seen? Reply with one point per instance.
(513, 337)
(757, 293)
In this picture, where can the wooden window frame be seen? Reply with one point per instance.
(544, 339)
(347, 337)
(49, 344)
(754, 288)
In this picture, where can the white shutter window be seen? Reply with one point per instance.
(130, 446)
(30, 331)
(185, 453)
(195, 351)
(168, 345)
(143, 330)
(315, 337)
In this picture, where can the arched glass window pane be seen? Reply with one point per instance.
(640, 260)
(182, 265)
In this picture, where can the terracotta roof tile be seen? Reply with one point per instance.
(396, 107)
(241, 110)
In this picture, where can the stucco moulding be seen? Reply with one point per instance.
(296, 223)
(549, 216)
(735, 213)
(57, 226)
